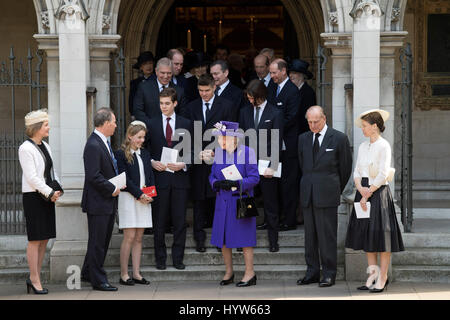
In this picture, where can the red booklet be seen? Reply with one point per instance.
(150, 191)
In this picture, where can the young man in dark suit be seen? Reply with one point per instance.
(225, 89)
(325, 158)
(285, 96)
(172, 187)
(146, 101)
(99, 198)
(205, 111)
(265, 116)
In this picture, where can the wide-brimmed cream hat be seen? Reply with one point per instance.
(384, 114)
(36, 116)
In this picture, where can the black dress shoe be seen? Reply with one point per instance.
(128, 282)
(274, 248)
(262, 226)
(104, 287)
(375, 290)
(84, 279)
(161, 266)
(148, 231)
(200, 247)
(179, 266)
(326, 282)
(142, 281)
(251, 282)
(228, 281)
(307, 280)
(285, 227)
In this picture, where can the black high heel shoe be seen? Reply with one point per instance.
(376, 290)
(251, 282)
(228, 281)
(35, 291)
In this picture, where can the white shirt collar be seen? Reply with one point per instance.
(223, 86)
(138, 151)
(262, 106)
(281, 85)
(172, 117)
(267, 79)
(160, 84)
(101, 135)
(301, 85)
(324, 130)
(211, 101)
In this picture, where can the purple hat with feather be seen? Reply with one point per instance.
(227, 128)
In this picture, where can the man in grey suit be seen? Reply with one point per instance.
(325, 159)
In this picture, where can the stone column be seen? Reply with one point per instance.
(366, 16)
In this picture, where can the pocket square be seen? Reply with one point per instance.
(279, 103)
(268, 121)
(181, 133)
(329, 150)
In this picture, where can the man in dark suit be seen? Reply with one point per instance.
(205, 111)
(146, 101)
(263, 116)
(177, 59)
(285, 96)
(225, 89)
(172, 187)
(262, 63)
(144, 64)
(325, 158)
(99, 198)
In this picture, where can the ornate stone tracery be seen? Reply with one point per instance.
(369, 7)
(70, 8)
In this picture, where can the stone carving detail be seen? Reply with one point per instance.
(106, 22)
(333, 18)
(44, 20)
(370, 7)
(395, 14)
(72, 10)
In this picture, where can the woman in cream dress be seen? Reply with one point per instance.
(380, 232)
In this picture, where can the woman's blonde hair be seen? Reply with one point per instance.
(133, 129)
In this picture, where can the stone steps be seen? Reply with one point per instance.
(421, 273)
(421, 257)
(17, 259)
(19, 275)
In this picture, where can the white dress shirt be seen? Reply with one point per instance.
(266, 79)
(211, 101)
(222, 87)
(322, 134)
(261, 108)
(281, 85)
(141, 167)
(161, 85)
(301, 85)
(374, 162)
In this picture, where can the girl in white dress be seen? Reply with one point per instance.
(380, 232)
(135, 211)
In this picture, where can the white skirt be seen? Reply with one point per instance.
(132, 213)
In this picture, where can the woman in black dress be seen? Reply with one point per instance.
(38, 197)
(380, 233)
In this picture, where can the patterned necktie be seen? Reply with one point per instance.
(316, 146)
(116, 169)
(258, 110)
(207, 111)
(278, 90)
(168, 133)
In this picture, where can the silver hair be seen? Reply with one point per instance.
(164, 62)
(322, 112)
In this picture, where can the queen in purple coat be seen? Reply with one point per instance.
(227, 231)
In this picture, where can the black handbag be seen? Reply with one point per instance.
(245, 207)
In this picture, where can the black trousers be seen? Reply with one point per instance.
(100, 230)
(171, 203)
(290, 184)
(203, 213)
(321, 241)
(269, 189)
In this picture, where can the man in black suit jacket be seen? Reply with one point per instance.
(325, 158)
(172, 187)
(99, 198)
(285, 96)
(205, 111)
(225, 89)
(264, 116)
(146, 101)
(177, 59)
(145, 65)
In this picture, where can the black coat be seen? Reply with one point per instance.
(221, 110)
(191, 90)
(271, 119)
(307, 99)
(155, 143)
(326, 178)
(236, 97)
(134, 84)
(146, 100)
(97, 196)
(132, 171)
(288, 101)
